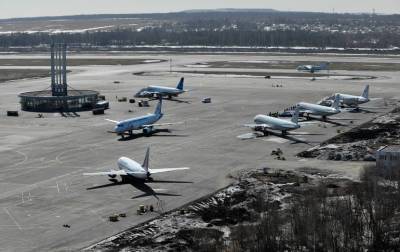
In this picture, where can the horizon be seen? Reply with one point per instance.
(48, 8)
(191, 10)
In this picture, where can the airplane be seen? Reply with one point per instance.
(307, 109)
(145, 123)
(130, 169)
(264, 122)
(313, 68)
(353, 100)
(161, 91)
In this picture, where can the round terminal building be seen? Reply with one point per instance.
(44, 101)
(60, 98)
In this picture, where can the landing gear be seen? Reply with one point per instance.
(284, 132)
(324, 118)
(265, 133)
(124, 179)
(114, 180)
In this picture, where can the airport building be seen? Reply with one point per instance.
(388, 157)
(61, 97)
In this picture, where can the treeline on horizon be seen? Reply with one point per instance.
(214, 29)
(205, 38)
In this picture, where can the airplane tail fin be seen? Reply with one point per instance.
(180, 84)
(159, 106)
(365, 94)
(146, 160)
(295, 117)
(336, 102)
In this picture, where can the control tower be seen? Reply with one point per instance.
(58, 63)
(61, 97)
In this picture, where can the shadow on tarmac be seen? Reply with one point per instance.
(141, 186)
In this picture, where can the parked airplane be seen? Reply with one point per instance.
(307, 109)
(353, 100)
(129, 168)
(145, 123)
(348, 100)
(313, 68)
(264, 122)
(161, 91)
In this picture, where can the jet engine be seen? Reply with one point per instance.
(258, 128)
(147, 130)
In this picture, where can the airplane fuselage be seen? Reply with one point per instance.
(132, 167)
(315, 109)
(150, 91)
(352, 100)
(309, 68)
(276, 123)
(137, 123)
(166, 90)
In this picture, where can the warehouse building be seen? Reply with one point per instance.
(388, 158)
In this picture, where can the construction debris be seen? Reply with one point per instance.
(360, 143)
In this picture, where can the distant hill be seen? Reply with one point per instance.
(142, 15)
(230, 10)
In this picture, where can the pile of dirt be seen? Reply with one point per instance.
(275, 210)
(207, 223)
(360, 143)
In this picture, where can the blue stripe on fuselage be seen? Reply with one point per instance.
(137, 123)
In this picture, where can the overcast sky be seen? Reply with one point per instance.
(29, 8)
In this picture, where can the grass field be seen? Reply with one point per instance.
(274, 64)
(76, 62)
(274, 74)
(15, 74)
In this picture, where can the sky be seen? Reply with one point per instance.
(33, 8)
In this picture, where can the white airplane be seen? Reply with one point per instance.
(161, 91)
(307, 109)
(349, 100)
(129, 168)
(354, 100)
(313, 68)
(145, 123)
(264, 122)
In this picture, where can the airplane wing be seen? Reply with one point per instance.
(113, 121)
(342, 119)
(305, 111)
(162, 124)
(307, 123)
(153, 171)
(119, 172)
(153, 93)
(264, 125)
